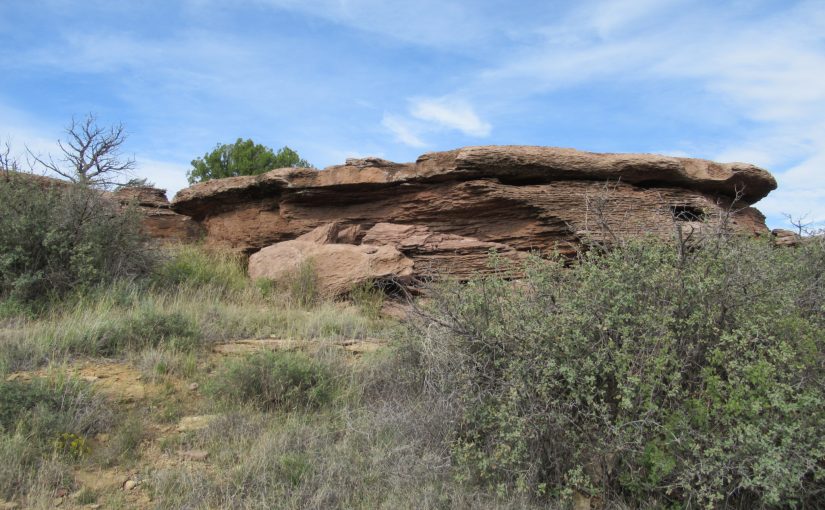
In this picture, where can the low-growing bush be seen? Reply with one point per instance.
(369, 297)
(49, 406)
(645, 374)
(124, 444)
(147, 328)
(286, 381)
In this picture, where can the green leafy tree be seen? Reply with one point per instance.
(244, 157)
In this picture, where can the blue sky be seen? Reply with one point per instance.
(730, 81)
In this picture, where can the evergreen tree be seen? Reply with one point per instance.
(244, 157)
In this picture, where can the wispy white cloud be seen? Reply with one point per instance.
(22, 133)
(433, 23)
(429, 116)
(450, 113)
(753, 73)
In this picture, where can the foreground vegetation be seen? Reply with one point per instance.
(651, 375)
(640, 375)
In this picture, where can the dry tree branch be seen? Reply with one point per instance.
(91, 155)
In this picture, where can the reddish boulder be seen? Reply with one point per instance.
(338, 268)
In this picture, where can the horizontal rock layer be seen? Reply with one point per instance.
(507, 164)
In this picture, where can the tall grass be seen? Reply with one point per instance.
(194, 299)
(45, 426)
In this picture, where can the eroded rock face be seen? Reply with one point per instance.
(787, 238)
(448, 209)
(159, 220)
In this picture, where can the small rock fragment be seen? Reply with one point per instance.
(188, 423)
(196, 455)
(129, 485)
(193, 386)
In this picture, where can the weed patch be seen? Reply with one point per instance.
(286, 381)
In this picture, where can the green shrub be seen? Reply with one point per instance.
(152, 327)
(640, 374)
(133, 331)
(48, 407)
(124, 445)
(20, 460)
(43, 417)
(285, 381)
(56, 238)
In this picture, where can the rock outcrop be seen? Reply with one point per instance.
(787, 238)
(159, 220)
(435, 253)
(448, 209)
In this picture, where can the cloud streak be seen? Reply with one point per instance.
(403, 130)
(450, 114)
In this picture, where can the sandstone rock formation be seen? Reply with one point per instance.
(159, 220)
(448, 209)
(435, 253)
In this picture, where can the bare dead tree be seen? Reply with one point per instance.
(91, 155)
(800, 224)
(7, 161)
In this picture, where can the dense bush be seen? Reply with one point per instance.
(56, 238)
(692, 379)
(148, 327)
(286, 381)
